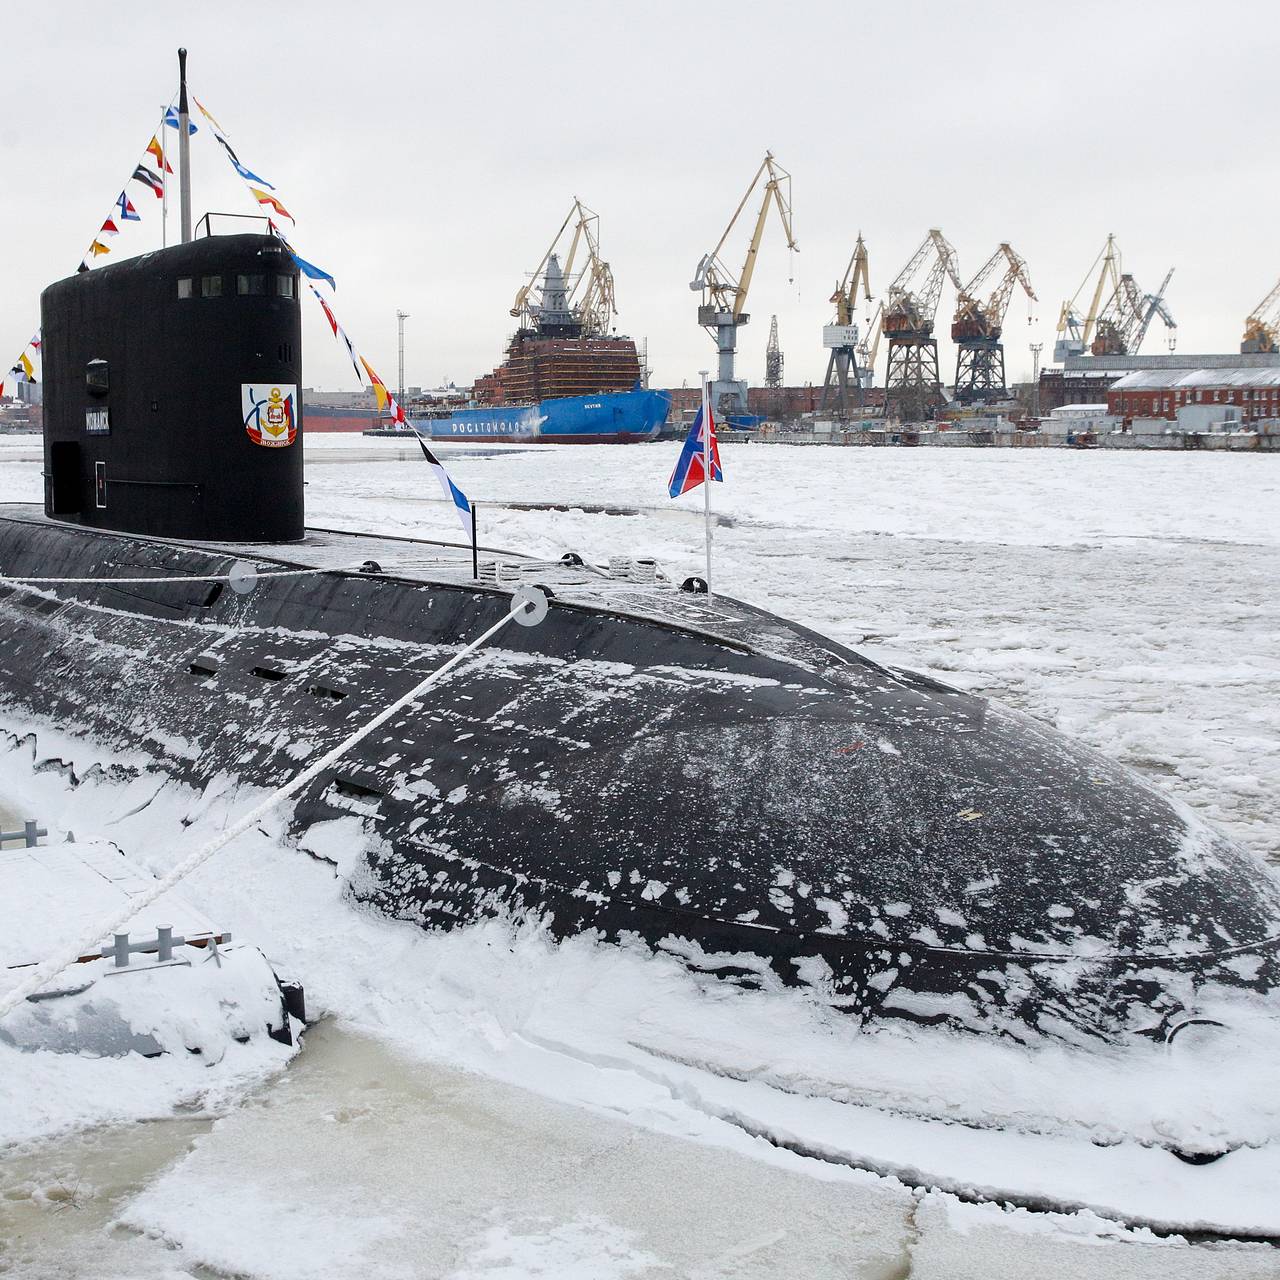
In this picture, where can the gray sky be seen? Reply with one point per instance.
(429, 152)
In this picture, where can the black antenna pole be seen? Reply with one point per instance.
(475, 546)
(184, 148)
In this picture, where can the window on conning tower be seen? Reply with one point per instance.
(251, 285)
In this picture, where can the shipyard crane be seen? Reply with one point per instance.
(1075, 332)
(977, 326)
(1125, 319)
(868, 350)
(912, 387)
(1262, 326)
(844, 382)
(570, 304)
(724, 297)
(773, 359)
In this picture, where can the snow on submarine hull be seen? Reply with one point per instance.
(707, 776)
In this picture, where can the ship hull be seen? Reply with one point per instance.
(324, 419)
(710, 779)
(625, 417)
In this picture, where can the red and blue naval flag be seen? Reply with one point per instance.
(690, 470)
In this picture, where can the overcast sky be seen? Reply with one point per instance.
(429, 151)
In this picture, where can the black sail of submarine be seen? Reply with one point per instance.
(711, 778)
(146, 363)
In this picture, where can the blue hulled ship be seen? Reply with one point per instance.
(623, 417)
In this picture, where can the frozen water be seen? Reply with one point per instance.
(446, 1174)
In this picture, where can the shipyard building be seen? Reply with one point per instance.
(1170, 393)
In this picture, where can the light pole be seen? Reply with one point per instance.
(1036, 348)
(401, 317)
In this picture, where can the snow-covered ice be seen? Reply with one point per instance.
(1130, 599)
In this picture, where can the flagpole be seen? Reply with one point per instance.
(706, 472)
(164, 186)
(184, 148)
(475, 546)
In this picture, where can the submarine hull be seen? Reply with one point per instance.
(710, 778)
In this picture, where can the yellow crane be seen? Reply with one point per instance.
(1262, 325)
(570, 304)
(845, 297)
(724, 296)
(841, 337)
(977, 326)
(1075, 332)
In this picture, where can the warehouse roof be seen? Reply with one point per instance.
(1164, 379)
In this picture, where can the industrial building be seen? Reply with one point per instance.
(1090, 379)
(1162, 393)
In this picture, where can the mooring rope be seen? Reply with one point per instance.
(91, 940)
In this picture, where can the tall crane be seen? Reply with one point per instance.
(570, 305)
(1262, 325)
(977, 326)
(773, 357)
(1075, 332)
(841, 337)
(724, 297)
(1127, 316)
(912, 387)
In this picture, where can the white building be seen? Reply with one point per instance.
(1072, 419)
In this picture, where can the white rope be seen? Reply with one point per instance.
(92, 939)
(204, 577)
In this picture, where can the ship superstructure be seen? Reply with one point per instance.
(564, 345)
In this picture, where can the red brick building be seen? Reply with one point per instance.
(1160, 393)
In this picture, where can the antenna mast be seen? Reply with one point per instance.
(184, 148)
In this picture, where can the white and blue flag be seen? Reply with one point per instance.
(173, 120)
(451, 490)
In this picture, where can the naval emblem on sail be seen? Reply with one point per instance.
(269, 414)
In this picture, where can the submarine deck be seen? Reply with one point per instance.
(630, 589)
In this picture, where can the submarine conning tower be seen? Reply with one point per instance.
(171, 403)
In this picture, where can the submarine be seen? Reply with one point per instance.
(648, 762)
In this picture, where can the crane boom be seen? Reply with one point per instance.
(720, 289)
(522, 294)
(1262, 325)
(867, 356)
(1076, 332)
(589, 294)
(1153, 305)
(905, 309)
(976, 319)
(967, 301)
(1125, 319)
(845, 296)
